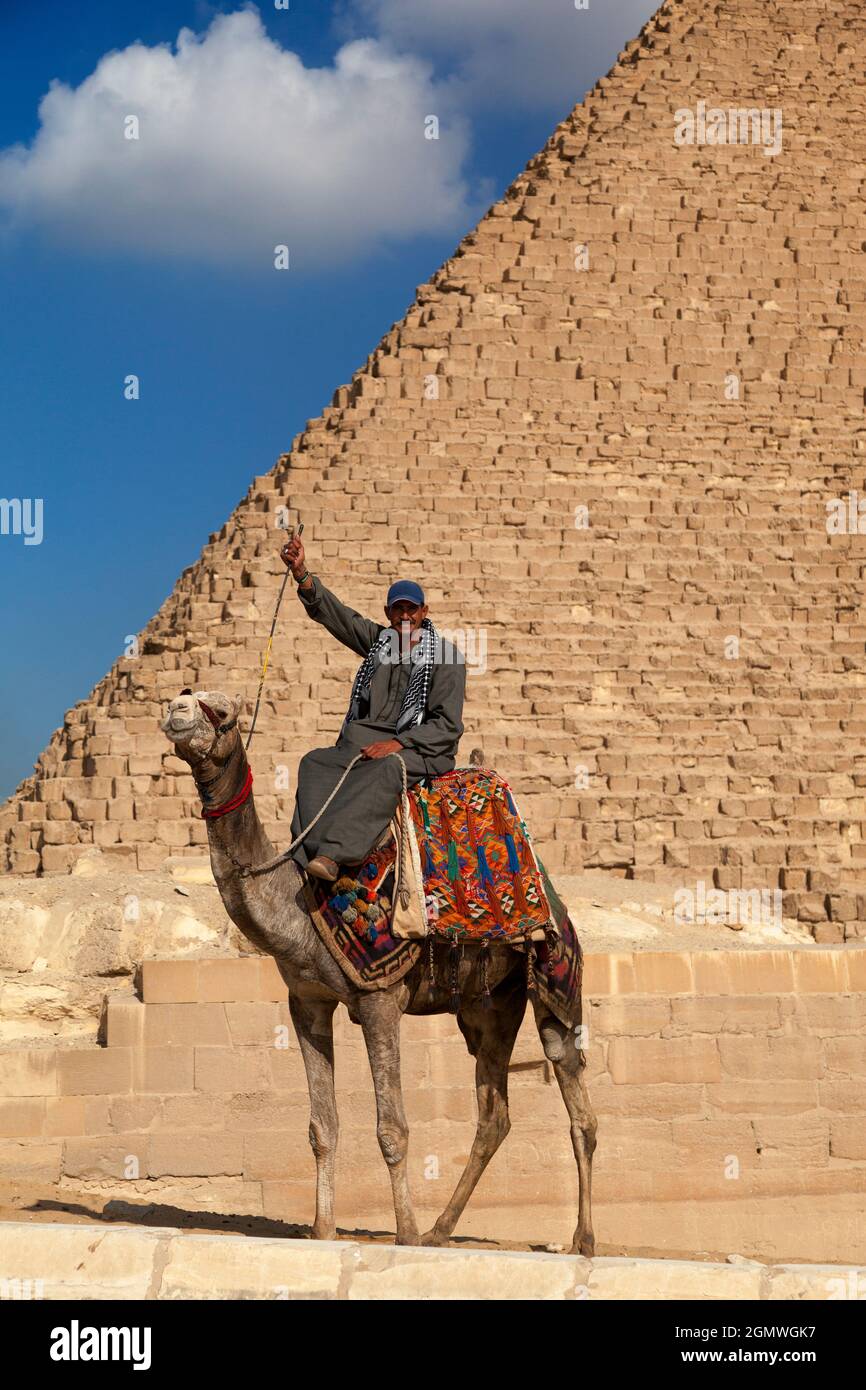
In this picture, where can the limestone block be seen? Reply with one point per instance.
(201, 1267)
(71, 1264)
(692, 1280)
(94, 1071)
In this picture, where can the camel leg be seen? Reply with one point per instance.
(560, 1048)
(314, 1025)
(380, 1024)
(490, 1035)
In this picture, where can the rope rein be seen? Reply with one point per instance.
(267, 658)
(403, 844)
(403, 850)
(270, 643)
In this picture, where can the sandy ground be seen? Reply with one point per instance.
(51, 1202)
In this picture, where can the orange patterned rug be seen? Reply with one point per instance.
(481, 877)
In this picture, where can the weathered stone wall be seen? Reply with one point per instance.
(696, 385)
(56, 1260)
(728, 1085)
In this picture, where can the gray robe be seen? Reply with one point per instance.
(365, 803)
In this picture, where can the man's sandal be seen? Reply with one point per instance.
(323, 867)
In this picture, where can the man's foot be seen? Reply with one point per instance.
(323, 867)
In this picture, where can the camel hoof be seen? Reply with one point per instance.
(585, 1247)
(324, 1233)
(433, 1237)
(412, 1238)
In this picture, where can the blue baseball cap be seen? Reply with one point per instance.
(405, 589)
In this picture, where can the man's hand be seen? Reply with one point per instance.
(292, 555)
(383, 748)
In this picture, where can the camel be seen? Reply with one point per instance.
(270, 911)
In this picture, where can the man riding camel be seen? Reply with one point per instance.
(407, 698)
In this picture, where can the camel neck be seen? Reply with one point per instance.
(235, 832)
(223, 787)
(234, 828)
(238, 838)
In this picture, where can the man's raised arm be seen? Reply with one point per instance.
(354, 631)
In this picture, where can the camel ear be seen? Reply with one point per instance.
(239, 702)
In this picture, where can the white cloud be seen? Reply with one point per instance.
(530, 54)
(241, 148)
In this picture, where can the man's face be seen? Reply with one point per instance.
(406, 618)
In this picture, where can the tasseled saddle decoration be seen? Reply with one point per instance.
(485, 877)
(484, 874)
(453, 964)
(531, 988)
(552, 950)
(428, 867)
(490, 890)
(360, 908)
(526, 860)
(486, 1000)
(453, 869)
(502, 828)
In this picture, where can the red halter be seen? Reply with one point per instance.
(235, 802)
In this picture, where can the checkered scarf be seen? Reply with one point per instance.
(414, 704)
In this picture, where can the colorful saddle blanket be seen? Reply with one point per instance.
(481, 877)
(481, 880)
(373, 958)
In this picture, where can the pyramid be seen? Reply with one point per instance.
(608, 436)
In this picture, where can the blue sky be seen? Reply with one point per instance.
(155, 257)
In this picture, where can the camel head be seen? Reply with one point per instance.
(202, 724)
